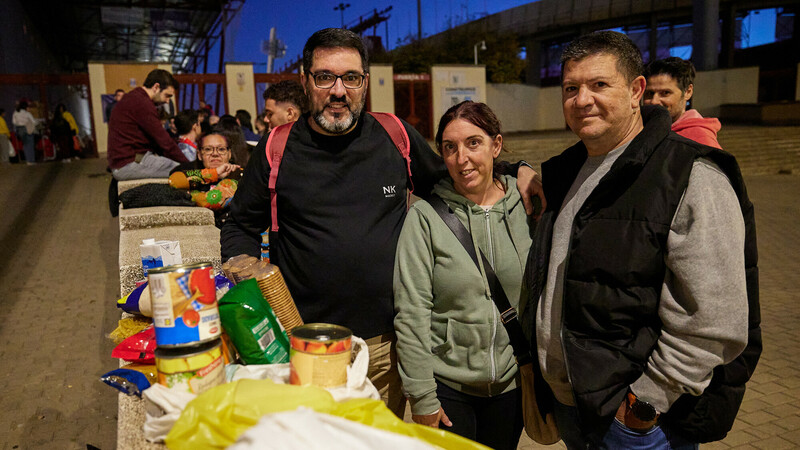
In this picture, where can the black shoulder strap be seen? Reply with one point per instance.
(508, 315)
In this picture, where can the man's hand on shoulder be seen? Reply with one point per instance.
(529, 184)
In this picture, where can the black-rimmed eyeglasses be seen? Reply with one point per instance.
(326, 80)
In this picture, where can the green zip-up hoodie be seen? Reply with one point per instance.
(448, 328)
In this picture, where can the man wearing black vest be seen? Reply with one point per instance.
(643, 283)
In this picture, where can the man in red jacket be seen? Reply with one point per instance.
(138, 145)
(670, 83)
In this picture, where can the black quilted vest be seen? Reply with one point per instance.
(614, 274)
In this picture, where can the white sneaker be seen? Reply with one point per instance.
(66, 160)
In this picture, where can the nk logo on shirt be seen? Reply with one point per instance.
(389, 191)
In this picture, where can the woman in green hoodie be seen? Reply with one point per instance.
(454, 354)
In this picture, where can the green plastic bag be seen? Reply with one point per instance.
(252, 325)
(217, 417)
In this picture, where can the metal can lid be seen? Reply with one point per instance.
(186, 351)
(179, 267)
(321, 332)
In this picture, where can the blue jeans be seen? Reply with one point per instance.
(618, 435)
(27, 144)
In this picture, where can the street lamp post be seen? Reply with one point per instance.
(341, 7)
(483, 47)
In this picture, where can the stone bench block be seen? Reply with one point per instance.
(162, 216)
(123, 186)
(130, 420)
(198, 244)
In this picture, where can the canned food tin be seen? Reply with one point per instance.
(191, 369)
(184, 304)
(319, 355)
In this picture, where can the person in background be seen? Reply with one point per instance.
(5, 139)
(215, 153)
(639, 273)
(454, 354)
(25, 127)
(229, 126)
(284, 102)
(261, 123)
(110, 106)
(670, 83)
(62, 133)
(207, 107)
(187, 124)
(245, 123)
(138, 144)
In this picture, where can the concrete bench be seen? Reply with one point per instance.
(198, 244)
(164, 216)
(123, 186)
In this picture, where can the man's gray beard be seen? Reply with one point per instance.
(337, 127)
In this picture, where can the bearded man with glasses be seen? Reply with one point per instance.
(341, 202)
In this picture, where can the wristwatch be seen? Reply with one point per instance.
(640, 409)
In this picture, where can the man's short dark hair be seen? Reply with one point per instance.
(162, 77)
(629, 58)
(245, 119)
(288, 91)
(185, 120)
(118, 91)
(333, 38)
(681, 70)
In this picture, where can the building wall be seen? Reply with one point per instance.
(797, 85)
(452, 84)
(523, 107)
(381, 88)
(241, 89)
(726, 86)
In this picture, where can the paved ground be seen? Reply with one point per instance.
(59, 281)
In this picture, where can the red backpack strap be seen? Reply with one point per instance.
(276, 144)
(399, 135)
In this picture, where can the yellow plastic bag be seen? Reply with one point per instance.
(216, 418)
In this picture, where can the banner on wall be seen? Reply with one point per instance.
(455, 95)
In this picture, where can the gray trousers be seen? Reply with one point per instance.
(151, 166)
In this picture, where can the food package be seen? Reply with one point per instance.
(159, 254)
(127, 327)
(138, 348)
(252, 326)
(137, 302)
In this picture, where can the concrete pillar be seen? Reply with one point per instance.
(728, 43)
(452, 84)
(533, 58)
(705, 33)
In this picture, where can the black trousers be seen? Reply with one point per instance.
(493, 421)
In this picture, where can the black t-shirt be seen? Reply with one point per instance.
(341, 205)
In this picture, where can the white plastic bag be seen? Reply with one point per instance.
(290, 430)
(164, 405)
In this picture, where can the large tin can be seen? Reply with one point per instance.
(184, 304)
(319, 355)
(191, 369)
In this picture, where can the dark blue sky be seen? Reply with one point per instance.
(295, 21)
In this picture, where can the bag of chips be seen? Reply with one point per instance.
(138, 348)
(252, 326)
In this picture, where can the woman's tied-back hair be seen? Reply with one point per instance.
(333, 38)
(476, 113)
(629, 58)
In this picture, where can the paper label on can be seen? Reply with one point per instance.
(184, 307)
(323, 370)
(195, 381)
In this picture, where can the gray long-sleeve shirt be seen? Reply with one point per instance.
(703, 304)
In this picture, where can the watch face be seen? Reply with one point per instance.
(643, 411)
